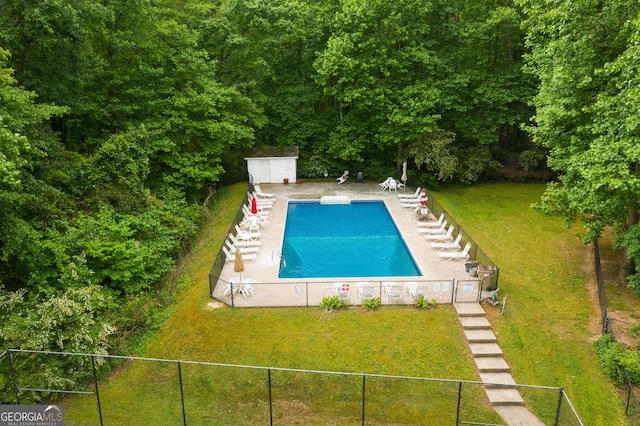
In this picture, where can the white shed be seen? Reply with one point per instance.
(272, 164)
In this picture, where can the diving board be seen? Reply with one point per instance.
(335, 199)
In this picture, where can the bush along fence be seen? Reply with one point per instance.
(205, 393)
(620, 363)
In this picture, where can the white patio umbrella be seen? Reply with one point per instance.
(404, 174)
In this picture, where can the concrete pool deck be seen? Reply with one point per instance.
(274, 291)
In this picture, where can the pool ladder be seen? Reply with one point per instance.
(283, 261)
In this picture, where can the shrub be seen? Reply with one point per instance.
(332, 303)
(423, 303)
(616, 357)
(635, 329)
(371, 303)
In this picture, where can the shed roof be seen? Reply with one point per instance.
(273, 151)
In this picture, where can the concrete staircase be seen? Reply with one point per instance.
(492, 367)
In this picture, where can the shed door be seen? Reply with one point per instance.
(265, 172)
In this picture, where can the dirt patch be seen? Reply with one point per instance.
(214, 305)
(591, 285)
(621, 320)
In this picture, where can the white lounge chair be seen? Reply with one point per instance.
(231, 257)
(410, 204)
(392, 290)
(456, 255)
(259, 193)
(415, 196)
(448, 236)
(365, 290)
(344, 177)
(448, 246)
(262, 204)
(243, 243)
(415, 290)
(243, 249)
(385, 184)
(441, 230)
(432, 224)
(244, 235)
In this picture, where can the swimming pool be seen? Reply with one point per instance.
(343, 240)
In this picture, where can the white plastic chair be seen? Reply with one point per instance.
(365, 290)
(415, 290)
(342, 291)
(392, 290)
(384, 185)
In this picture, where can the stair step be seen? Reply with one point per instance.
(504, 396)
(497, 380)
(485, 349)
(475, 323)
(491, 364)
(480, 336)
(469, 310)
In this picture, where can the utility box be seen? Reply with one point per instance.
(485, 273)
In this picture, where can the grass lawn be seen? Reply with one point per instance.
(545, 335)
(550, 323)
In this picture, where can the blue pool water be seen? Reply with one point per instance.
(343, 240)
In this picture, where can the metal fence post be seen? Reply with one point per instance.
(270, 398)
(95, 382)
(184, 411)
(559, 405)
(459, 400)
(626, 408)
(363, 395)
(13, 377)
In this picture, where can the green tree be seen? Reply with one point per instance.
(30, 155)
(584, 57)
(378, 70)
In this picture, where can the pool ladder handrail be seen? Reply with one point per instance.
(283, 263)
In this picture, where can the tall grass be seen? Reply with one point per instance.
(544, 335)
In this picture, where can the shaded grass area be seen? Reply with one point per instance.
(545, 333)
(400, 341)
